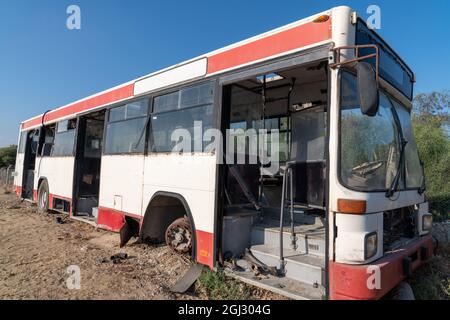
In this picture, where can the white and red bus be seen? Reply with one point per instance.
(343, 215)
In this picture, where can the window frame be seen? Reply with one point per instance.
(42, 140)
(403, 177)
(380, 42)
(22, 142)
(339, 163)
(153, 96)
(287, 131)
(179, 91)
(56, 133)
(146, 125)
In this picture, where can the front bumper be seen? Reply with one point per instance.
(373, 281)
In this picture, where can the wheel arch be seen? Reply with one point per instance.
(147, 220)
(42, 179)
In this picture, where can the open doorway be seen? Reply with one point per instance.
(87, 165)
(29, 163)
(277, 217)
(293, 104)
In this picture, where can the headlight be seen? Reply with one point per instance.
(427, 222)
(371, 245)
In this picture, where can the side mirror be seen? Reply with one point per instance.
(368, 89)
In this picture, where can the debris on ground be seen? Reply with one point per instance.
(36, 253)
(119, 257)
(59, 220)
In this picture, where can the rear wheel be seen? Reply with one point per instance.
(43, 197)
(179, 236)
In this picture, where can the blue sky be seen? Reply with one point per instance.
(44, 65)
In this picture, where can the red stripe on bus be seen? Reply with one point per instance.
(205, 248)
(112, 219)
(52, 197)
(18, 190)
(90, 103)
(297, 37)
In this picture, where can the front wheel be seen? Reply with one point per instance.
(43, 197)
(402, 291)
(179, 236)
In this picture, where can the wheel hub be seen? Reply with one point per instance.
(179, 236)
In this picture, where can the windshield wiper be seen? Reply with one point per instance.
(394, 185)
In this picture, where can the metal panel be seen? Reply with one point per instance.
(172, 76)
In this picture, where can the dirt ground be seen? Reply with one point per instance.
(36, 250)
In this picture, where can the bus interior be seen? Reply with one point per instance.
(294, 102)
(88, 157)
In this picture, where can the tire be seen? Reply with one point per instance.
(402, 292)
(179, 236)
(43, 197)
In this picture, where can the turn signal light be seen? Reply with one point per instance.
(351, 206)
(322, 18)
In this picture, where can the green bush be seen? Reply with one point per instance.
(8, 156)
(431, 128)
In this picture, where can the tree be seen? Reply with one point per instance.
(8, 156)
(432, 108)
(431, 127)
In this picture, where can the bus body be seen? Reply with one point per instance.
(343, 217)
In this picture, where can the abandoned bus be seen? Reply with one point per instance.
(339, 211)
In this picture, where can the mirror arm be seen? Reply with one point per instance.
(376, 55)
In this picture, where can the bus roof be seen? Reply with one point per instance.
(290, 38)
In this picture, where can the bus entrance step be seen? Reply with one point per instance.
(309, 239)
(283, 286)
(305, 268)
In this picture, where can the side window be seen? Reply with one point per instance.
(183, 109)
(166, 102)
(125, 132)
(185, 98)
(23, 141)
(308, 130)
(45, 149)
(64, 138)
(93, 140)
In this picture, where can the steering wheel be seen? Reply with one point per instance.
(367, 168)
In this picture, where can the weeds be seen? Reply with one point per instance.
(217, 286)
(432, 281)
